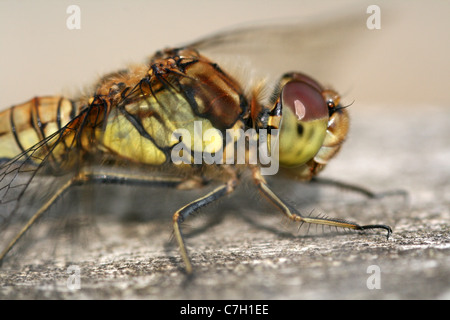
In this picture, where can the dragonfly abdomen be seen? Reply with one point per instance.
(24, 125)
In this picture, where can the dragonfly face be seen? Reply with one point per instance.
(132, 116)
(312, 124)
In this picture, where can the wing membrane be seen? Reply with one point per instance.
(313, 46)
(27, 182)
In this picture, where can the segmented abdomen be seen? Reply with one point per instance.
(24, 125)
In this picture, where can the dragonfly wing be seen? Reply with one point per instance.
(26, 185)
(315, 46)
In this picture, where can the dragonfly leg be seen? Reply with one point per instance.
(366, 192)
(296, 216)
(181, 214)
(129, 179)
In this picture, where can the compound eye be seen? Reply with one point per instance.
(304, 100)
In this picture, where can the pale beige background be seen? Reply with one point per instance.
(399, 79)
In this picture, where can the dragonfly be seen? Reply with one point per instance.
(136, 117)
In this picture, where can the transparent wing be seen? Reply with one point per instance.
(29, 181)
(316, 46)
(17, 173)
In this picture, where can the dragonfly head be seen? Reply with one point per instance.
(312, 122)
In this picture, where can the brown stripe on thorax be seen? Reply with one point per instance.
(211, 93)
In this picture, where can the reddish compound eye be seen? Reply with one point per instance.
(304, 100)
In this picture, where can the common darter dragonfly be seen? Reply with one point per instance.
(148, 117)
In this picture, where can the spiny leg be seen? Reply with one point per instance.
(366, 192)
(295, 216)
(180, 183)
(181, 214)
(106, 177)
